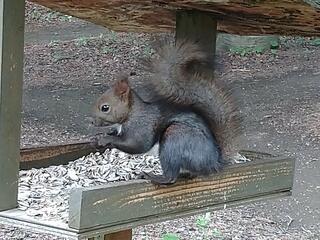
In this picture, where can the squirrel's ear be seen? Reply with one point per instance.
(122, 88)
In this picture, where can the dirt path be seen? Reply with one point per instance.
(282, 116)
(70, 31)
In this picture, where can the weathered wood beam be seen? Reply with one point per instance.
(130, 204)
(283, 17)
(11, 70)
(18, 218)
(122, 235)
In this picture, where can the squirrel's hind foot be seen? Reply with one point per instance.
(158, 179)
(187, 175)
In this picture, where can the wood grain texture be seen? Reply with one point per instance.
(283, 17)
(11, 75)
(133, 203)
(198, 27)
(123, 235)
(44, 156)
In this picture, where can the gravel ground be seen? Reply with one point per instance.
(37, 16)
(54, 67)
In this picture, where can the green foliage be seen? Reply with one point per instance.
(300, 40)
(107, 50)
(113, 36)
(274, 44)
(239, 50)
(170, 236)
(315, 42)
(202, 222)
(53, 43)
(82, 41)
(66, 18)
(216, 233)
(203, 225)
(259, 49)
(293, 42)
(243, 51)
(274, 52)
(147, 51)
(255, 47)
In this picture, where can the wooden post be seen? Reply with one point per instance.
(11, 74)
(122, 235)
(197, 26)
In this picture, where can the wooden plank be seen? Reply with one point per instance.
(44, 156)
(197, 26)
(18, 218)
(130, 203)
(123, 235)
(11, 63)
(283, 17)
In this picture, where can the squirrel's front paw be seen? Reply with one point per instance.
(100, 143)
(114, 130)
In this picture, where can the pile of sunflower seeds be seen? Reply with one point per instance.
(44, 193)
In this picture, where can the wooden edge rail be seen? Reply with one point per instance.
(44, 156)
(18, 218)
(133, 203)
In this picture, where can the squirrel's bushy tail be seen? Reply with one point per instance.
(182, 74)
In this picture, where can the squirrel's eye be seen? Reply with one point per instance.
(105, 108)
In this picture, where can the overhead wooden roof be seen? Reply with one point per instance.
(249, 17)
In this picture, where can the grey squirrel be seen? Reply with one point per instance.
(134, 126)
(182, 74)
